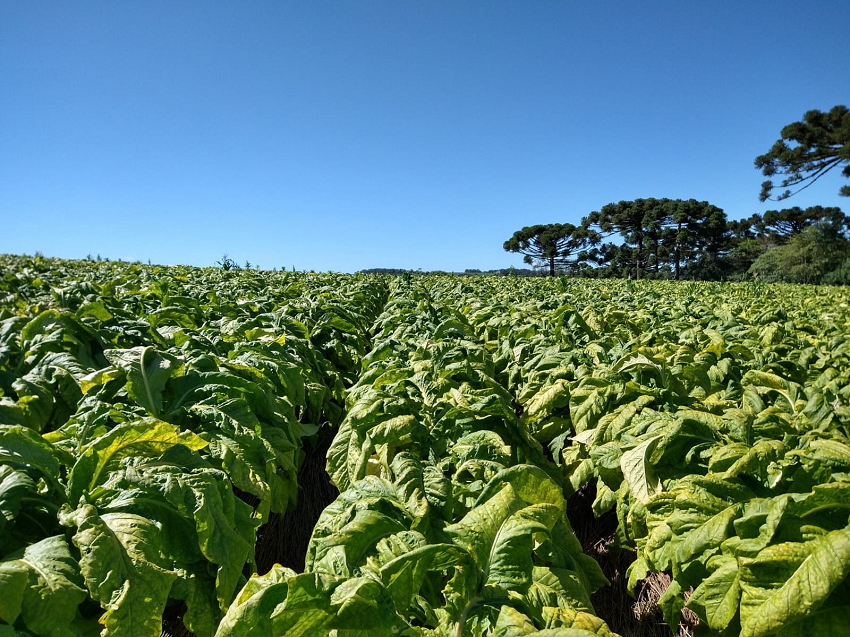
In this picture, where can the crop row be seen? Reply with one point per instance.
(151, 420)
(713, 419)
(451, 520)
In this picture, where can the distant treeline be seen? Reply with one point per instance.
(689, 239)
(678, 239)
(468, 272)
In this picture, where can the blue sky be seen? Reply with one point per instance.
(348, 135)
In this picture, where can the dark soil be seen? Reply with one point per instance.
(284, 538)
(624, 614)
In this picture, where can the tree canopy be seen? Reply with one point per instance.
(557, 245)
(686, 238)
(659, 233)
(780, 225)
(818, 253)
(818, 143)
(754, 242)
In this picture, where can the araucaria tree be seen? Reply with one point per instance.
(818, 144)
(661, 233)
(557, 245)
(780, 225)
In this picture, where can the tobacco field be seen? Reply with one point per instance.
(502, 454)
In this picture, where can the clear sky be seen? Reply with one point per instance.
(346, 135)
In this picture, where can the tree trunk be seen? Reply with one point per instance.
(678, 231)
(638, 261)
(551, 266)
(677, 261)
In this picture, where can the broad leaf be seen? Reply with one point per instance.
(815, 570)
(638, 472)
(146, 438)
(123, 568)
(147, 373)
(42, 584)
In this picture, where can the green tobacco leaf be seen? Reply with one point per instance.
(42, 584)
(560, 622)
(757, 460)
(557, 587)
(147, 373)
(252, 608)
(311, 604)
(248, 458)
(410, 482)
(824, 499)
(612, 424)
(638, 472)
(397, 431)
(258, 391)
(571, 621)
(394, 546)
(347, 456)
(545, 402)
(637, 571)
(832, 454)
(369, 496)
(833, 621)
(54, 330)
(588, 402)
(757, 525)
(671, 603)
(765, 382)
(640, 362)
(605, 499)
(123, 568)
(343, 551)
(146, 438)
(607, 463)
(512, 623)
(716, 599)
(565, 551)
(500, 534)
(21, 445)
(14, 485)
(588, 437)
(99, 378)
(807, 574)
(363, 607)
(530, 483)
(480, 445)
(707, 536)
(404, 575)
(95, 309)
(226, 532)
(570, 317)
(280, 603)
(438, 490)
(197, 588)
(250, 468)
(34, 405)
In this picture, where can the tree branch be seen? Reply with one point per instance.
(811, 179)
